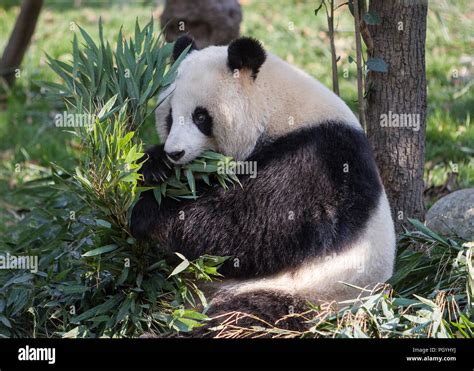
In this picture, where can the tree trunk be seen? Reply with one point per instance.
(209, 22)
(19, 39)
(396, 112)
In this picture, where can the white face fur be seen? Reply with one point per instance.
(204, 80)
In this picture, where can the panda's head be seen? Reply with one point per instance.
(214, 102)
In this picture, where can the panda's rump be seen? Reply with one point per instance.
(366, 261)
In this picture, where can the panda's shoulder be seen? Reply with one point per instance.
(330, 140)
(334, 151)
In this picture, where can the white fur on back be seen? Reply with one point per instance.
(295, 99)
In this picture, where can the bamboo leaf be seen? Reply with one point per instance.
(101, 250)
(181, 267)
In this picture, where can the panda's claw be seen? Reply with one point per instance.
(156, 168)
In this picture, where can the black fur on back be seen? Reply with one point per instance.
(314, 192)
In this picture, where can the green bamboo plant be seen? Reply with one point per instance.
(135, 72)
(131, 76)
(93, 279)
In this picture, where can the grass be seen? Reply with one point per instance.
(430, 295)
(30, 142)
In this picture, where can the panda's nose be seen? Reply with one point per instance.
(175, 156)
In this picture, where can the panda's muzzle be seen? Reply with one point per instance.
(175, 156)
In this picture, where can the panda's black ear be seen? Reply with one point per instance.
(246, 52)
(182, 43)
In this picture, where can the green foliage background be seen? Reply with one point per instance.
(93, 278)
(83, 287)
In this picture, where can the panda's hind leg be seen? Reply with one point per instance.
(232, 313)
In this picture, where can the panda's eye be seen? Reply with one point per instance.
(200, 118)
(203, 120)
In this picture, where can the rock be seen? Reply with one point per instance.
(210, 22)
(453, 214)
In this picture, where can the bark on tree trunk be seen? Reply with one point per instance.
(397, 103)
(209, 22)
(19, 39)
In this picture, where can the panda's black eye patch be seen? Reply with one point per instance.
(203, 120)
(169, 121)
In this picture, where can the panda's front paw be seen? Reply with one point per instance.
(157, 167)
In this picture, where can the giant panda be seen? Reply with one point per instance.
(316, 216)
